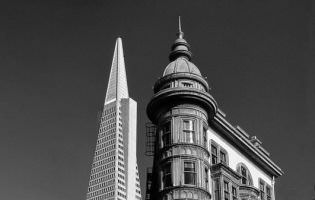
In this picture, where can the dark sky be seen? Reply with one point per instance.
(55, 58)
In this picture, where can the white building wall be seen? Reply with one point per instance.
(235, 157)
(129, 110)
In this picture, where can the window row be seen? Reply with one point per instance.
(103, 161)
(189, 171)
(218, 154)
(184, 83)
(188, 133)
(229, 191)
(103, 167)
(265, 190)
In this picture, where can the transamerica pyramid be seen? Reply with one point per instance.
(114, 173)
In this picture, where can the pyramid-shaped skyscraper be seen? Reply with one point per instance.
(114, 173)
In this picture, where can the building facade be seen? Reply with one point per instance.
(114, 173)
(198, 154)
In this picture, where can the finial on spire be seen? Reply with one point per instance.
(180, 34)
(180, 48)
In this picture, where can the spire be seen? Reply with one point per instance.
(180, 48)
(180, 34)
(117, 84)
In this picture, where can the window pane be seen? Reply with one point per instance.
(205, 137)
(268, 191)
(167, 168)
(189, 136)
(167, 175)
(234, 191)
(261, 186)
(244, 175)
(167, 180)
(188, 125)
(166, 139)
(243, 171)
(226, 186)
(213, 150)
(189, 166)
(190, 178)
(223, 157)
(244, 180)
(167, 127)
(189, 173)
(217, 190)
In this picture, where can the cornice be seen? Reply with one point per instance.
(242, 141)
(220, 167)
(173, 96)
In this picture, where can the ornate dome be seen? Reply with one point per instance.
(181, 65)
(180, 56)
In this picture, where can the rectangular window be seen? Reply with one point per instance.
(188, 125)
(223, 157)
(167, 175)
(205, 142)
(186, 84)
(244, 175)
(206, 177)
(166, 134)
(226, 191)
(268, 192)
(214, 154)
(234, 193)
(262, 190)
(188, 129)
(190, 174)
(217, 190)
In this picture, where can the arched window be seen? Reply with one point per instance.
(246, 178)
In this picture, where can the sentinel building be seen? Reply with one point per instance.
(114, 173)
(198, 154)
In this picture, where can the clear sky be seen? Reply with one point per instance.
(55, 58)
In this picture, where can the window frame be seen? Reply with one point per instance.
(234, 194)
(190, 173)
(268, 196)
(187, 84)
(217, 188)
(226, 190)
(262, 186)
(167, 175)
(248, 177)
(189, 135)
(206, 170)
(204, 136)
(166, 136)
(214, 156)
(223, 152)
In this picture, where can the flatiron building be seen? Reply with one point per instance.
(114, 173)
(199, 154)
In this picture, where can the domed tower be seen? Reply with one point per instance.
(181, 109)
